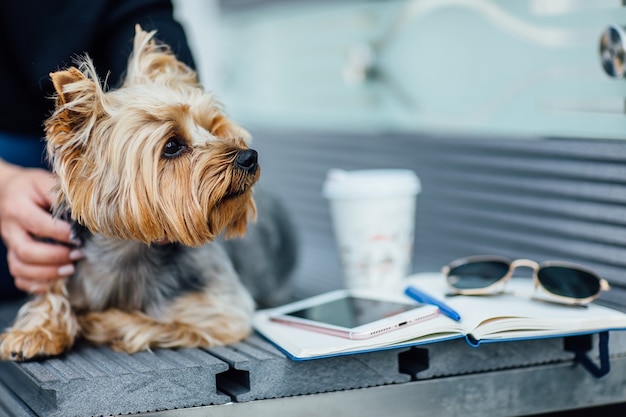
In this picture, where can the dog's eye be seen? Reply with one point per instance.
(173, 148)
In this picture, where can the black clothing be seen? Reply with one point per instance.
(41, 36)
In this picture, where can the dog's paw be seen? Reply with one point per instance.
(23, 345)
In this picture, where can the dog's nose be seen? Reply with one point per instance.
(247, 160)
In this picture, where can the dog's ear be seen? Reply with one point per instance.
(79, 97)
(62, 78)
(79, 103)
(154, 62)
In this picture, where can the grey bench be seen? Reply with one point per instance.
(461, 211)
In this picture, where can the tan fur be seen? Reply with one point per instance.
(107, 149)
(212, 321)
(46, 326)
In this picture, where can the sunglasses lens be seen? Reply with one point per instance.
(568, 282)
(479, 274)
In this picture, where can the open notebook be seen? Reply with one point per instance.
(513, 315)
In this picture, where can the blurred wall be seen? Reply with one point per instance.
(502, 107)
(518, 67)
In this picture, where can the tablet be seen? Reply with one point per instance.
(353, 314)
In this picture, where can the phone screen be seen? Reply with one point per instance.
(352, 311)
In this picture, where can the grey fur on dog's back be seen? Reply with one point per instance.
(266, 256)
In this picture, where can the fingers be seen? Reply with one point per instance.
(25, 220)
(37, 278)
(36, 222)
(36, 265)
(32, 213)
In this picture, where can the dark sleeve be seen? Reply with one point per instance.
(114, 38)
(58, 31)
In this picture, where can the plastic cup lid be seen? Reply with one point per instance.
(370, 183)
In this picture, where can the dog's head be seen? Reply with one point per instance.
(155, 159)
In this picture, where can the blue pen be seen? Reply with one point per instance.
(422, 297)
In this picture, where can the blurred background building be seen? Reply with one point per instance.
(512, 112)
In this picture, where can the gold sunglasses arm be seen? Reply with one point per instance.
(604, 285)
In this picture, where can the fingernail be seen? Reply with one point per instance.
(76, 254)
(35, 289)
(66, 270)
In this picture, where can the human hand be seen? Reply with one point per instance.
(25, 219)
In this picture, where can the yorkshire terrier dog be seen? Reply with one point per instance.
(152, 175)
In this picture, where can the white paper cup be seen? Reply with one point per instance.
(373, 215)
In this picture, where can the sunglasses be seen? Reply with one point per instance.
(564, 282)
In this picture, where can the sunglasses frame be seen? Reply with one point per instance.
(522, 263)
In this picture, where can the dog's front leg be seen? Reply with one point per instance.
(194, 320)
(45, 326)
